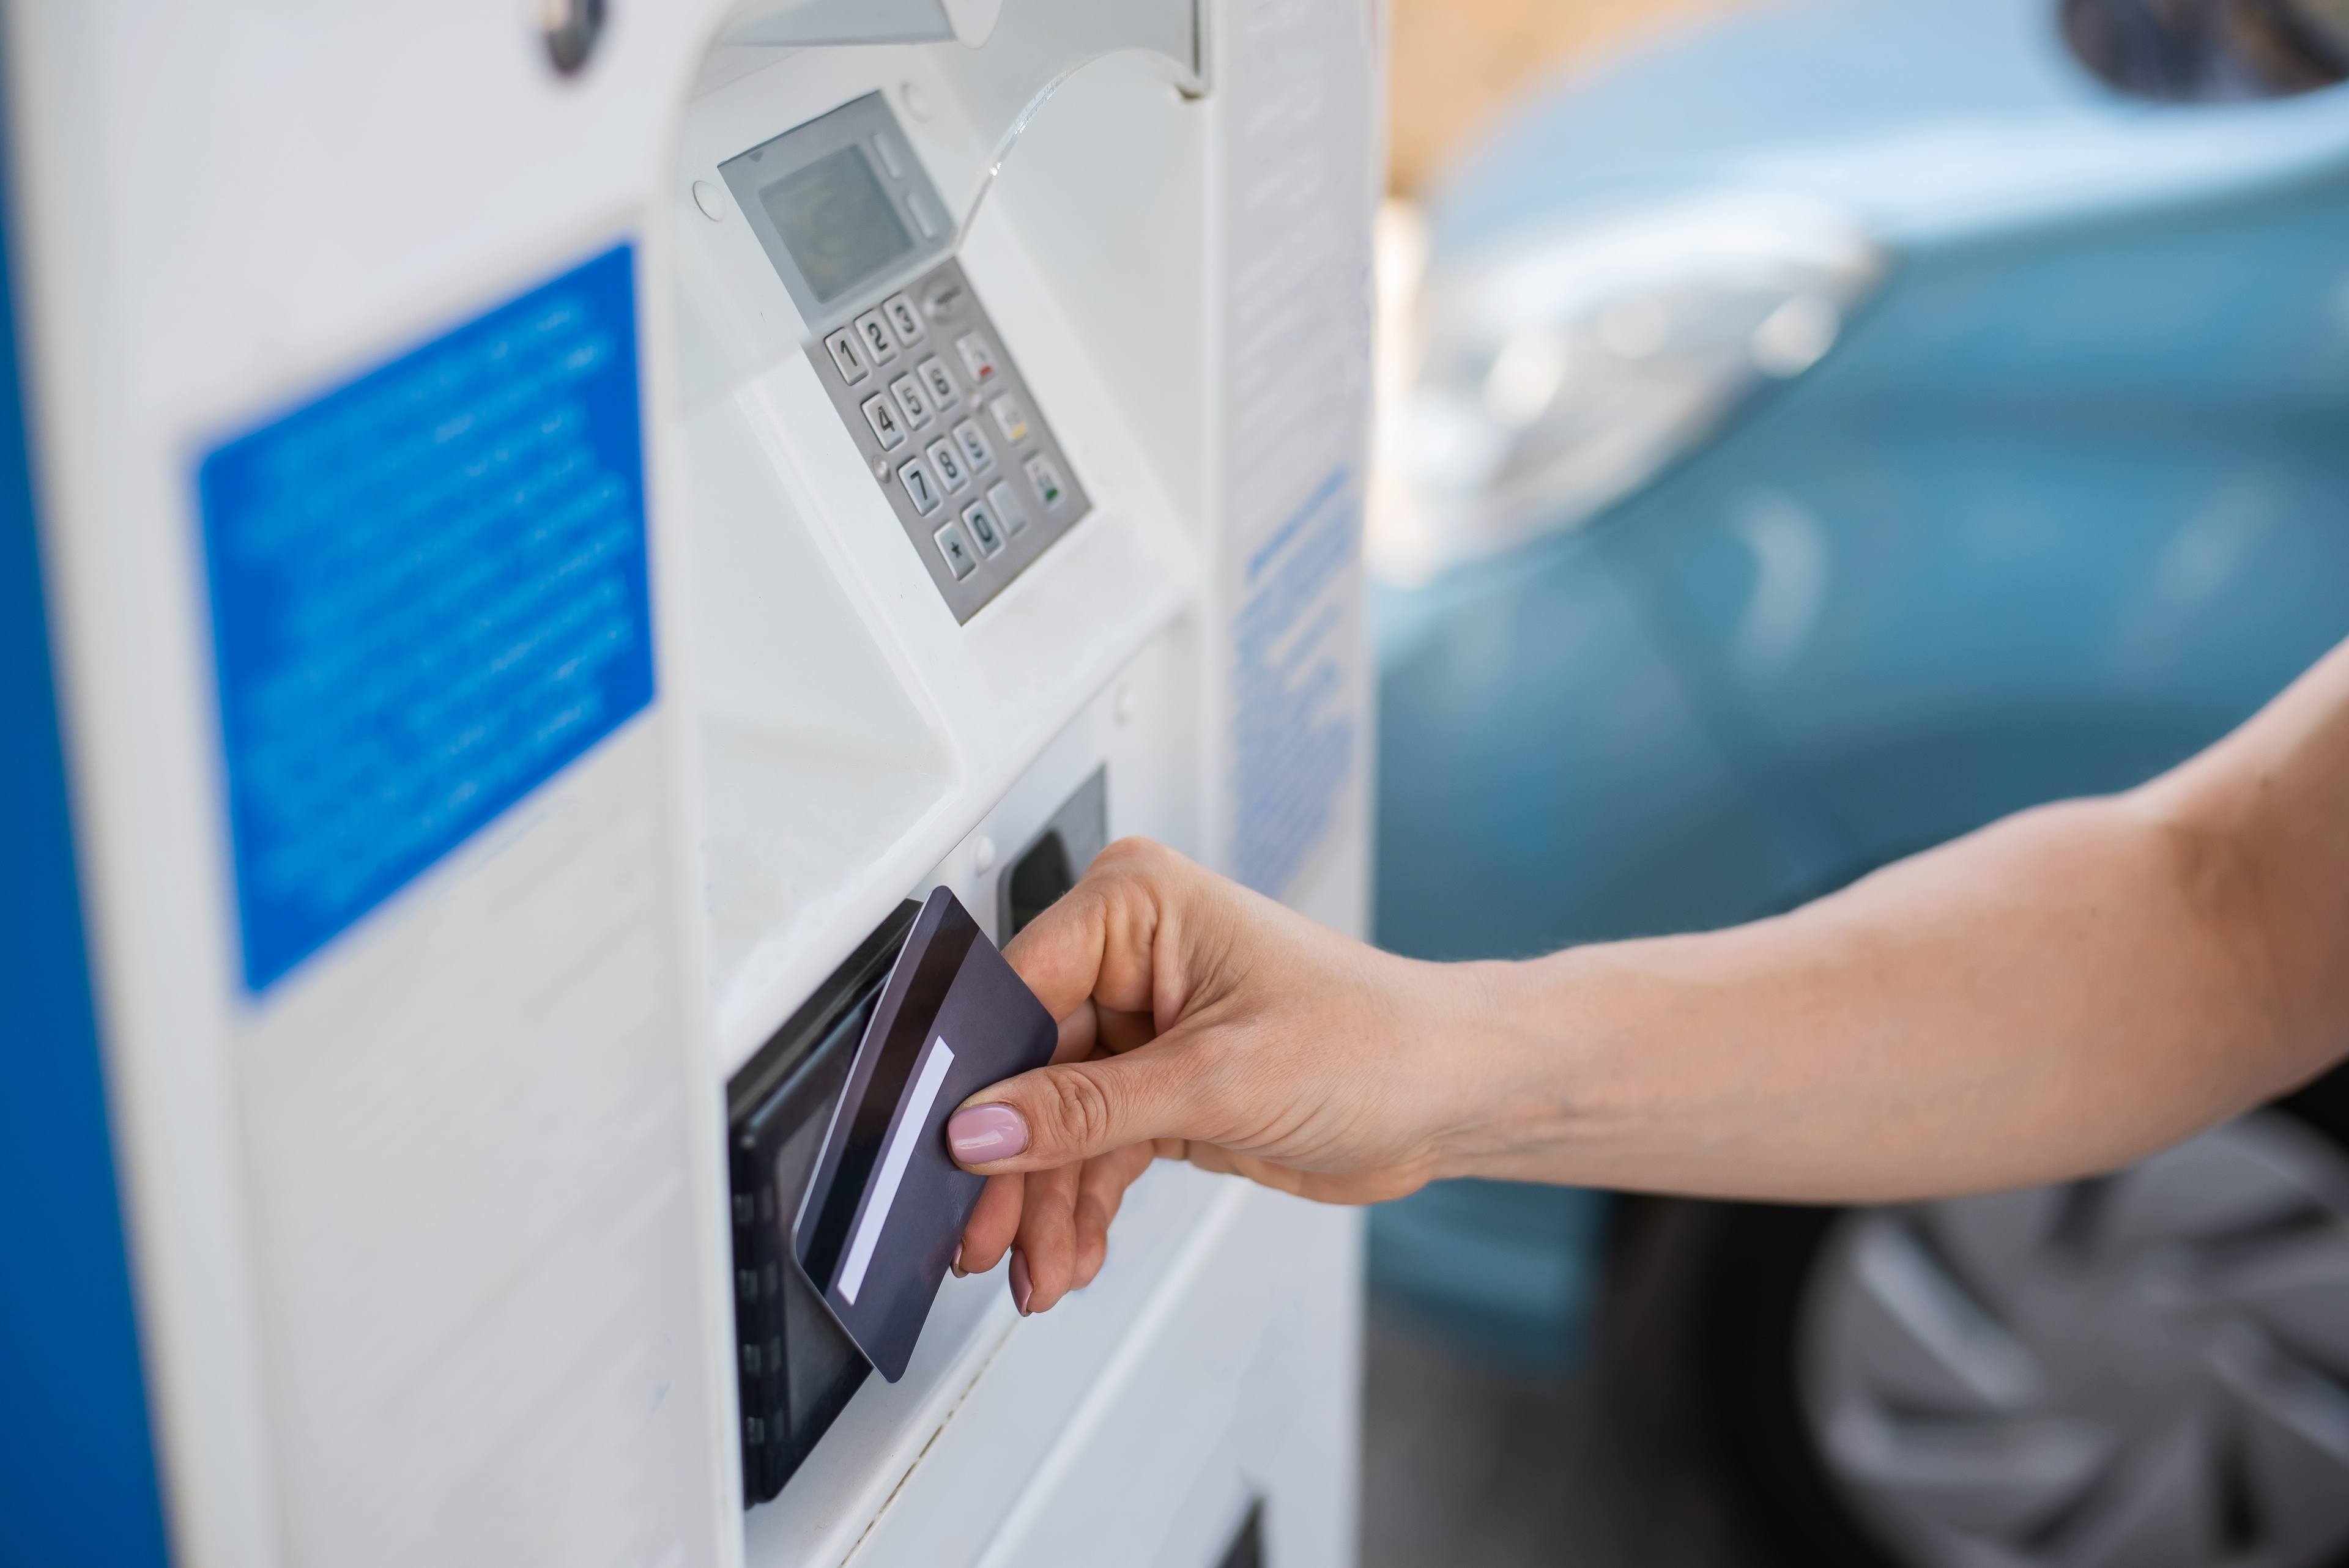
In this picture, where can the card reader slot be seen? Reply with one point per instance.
(796, 1367)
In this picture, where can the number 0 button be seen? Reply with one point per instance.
(977, 518)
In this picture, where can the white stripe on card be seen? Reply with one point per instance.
(893, 1167)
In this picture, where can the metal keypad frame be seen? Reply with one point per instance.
(951, 317)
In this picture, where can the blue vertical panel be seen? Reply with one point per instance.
(78, 1481)
(428, 595)
(1293, 726)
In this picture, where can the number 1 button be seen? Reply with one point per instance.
(844, 357)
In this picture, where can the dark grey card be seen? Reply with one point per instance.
(887, 1203)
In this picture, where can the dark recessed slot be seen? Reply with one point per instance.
(1055, 858)
(1246, 1550)
(796, 1367)
(1039, 878)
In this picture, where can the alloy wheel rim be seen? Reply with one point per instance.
(2145, 1370)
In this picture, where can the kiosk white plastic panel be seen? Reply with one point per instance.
(461, 803)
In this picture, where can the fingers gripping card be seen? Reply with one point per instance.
(887, 1203)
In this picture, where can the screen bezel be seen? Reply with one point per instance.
(854, 124)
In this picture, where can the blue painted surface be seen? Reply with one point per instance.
(428, 595)
(2065, 503)
(1534, 1249)
(77, 1479)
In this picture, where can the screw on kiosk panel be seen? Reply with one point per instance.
(569, 28)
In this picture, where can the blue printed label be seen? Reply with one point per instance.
(1292, 719)
(428, 595)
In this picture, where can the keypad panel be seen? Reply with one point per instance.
(983, 444)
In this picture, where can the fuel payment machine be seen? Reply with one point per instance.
(558, 526)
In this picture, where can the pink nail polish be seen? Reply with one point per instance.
(957, 1264)
(1022, 1289)
(985, 1133)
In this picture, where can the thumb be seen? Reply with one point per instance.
(1058, 1115)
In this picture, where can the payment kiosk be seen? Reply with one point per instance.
(558, 524)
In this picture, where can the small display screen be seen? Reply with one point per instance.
(837, 222)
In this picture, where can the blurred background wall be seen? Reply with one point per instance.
(1456, 63)
(1808, 431)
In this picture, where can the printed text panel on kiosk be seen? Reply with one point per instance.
(428, 595)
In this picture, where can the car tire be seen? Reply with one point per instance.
(2162, 1379)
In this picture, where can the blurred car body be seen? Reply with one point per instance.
(1833, 429)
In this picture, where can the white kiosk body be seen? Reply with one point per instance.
(516, 650)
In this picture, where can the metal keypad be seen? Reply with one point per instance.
(984, 445)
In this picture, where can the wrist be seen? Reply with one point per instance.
(1507, 1069)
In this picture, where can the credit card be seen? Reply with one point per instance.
(887, 1204)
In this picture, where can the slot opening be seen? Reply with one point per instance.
(796, 1368)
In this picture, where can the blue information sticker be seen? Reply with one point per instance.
(428, 595)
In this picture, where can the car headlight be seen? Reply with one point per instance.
(1560, 371)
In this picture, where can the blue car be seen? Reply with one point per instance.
(1830, 430)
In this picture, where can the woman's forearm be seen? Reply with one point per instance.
(2023, 1004)
(2061, 993)
(2057, 995)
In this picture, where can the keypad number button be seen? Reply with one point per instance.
(899, 311)
(940, 383)
(911, 401)
(1010, 418)
(948, 464)
(888, 425)
(1004, 501)
(874, 336)
(1049, 488)
(977, 455)
(977, 358)
(845, 357)
(920, 487)
(977, 518)
(956, 550)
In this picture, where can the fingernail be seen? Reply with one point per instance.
(1022, 1289)
(985, 1133)
(957, 1264)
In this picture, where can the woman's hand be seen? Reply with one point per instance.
(2057, 995)
(1201, 1021)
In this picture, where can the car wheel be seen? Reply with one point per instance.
(2146, 1370)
